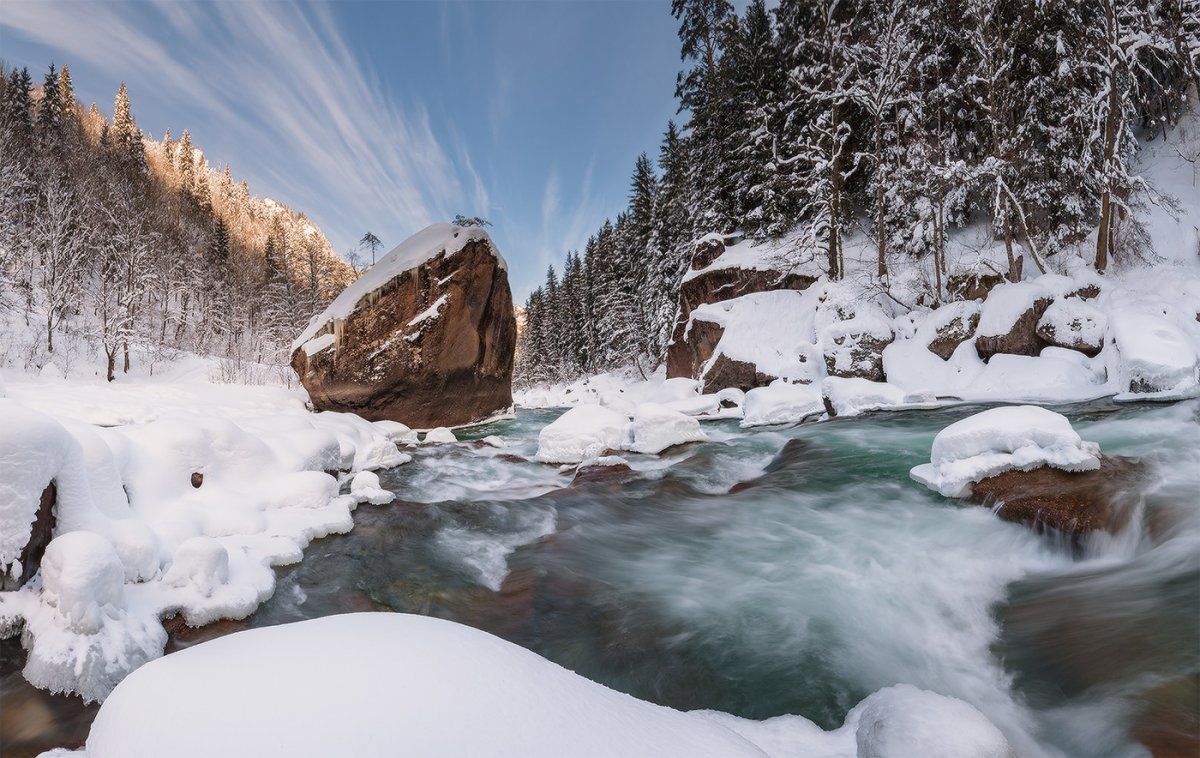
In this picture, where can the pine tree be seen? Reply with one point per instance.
(126, 137)
(187, 163)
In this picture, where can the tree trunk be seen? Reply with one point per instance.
(881, 242)
(1104, 233)
(49, 334)
(112, 363)
(125, 349)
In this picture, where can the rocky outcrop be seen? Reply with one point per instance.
(1072, 502)
(713, 286)
(857, 355)
(40, 534)
(1020, 339)
(425, 338)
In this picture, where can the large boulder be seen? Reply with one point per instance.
(720, 271)
(426, 337)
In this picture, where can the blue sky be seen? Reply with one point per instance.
(388, 115)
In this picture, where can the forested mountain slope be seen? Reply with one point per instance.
(883, 141)
(118, 252)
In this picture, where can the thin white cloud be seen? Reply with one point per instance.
(285, 86)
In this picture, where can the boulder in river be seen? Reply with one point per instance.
(1071, 502)
(426, 337)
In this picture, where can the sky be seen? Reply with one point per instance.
(388, 116)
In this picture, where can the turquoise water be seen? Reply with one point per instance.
(824, 575)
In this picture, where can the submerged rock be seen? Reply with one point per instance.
(425, 338)
(1072, 502)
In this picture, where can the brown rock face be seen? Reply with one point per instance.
(953, 334)
(1072, 502)
(1021, 339)
(450, 368)
(40, 534)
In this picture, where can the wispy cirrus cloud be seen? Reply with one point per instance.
(280, 87)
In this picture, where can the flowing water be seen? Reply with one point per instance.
(793, 571)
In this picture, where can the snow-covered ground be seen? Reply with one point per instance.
(172, 497)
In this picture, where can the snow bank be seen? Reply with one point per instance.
(1018, 438)
(407, 684)
(781, 403)
(656, 428)
(428, 243)
(181, 514)
(852, 396)
(1156, 356)
(585, 431)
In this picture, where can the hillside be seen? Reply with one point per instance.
(120, 253)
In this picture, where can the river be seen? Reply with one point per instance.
(824, 575)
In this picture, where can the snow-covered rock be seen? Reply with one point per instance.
(656, 428)
(425, 337)
(407, 684)
(781, 403)
(200, 563)
(903, 721)
(1072, 323)
(584, 431)
(1155, 355)
(396, 432)
(850, 397)
(366, 489)
(1003, 439)
(404, 684)
(1009, 319)
(440, 436)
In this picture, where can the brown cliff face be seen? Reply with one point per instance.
(400, 356)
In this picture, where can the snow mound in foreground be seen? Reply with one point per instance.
(407, 684)
(1019, 438)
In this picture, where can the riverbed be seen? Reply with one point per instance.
(775, 571)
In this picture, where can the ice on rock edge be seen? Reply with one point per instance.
(409, 683)
(1019, 438)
